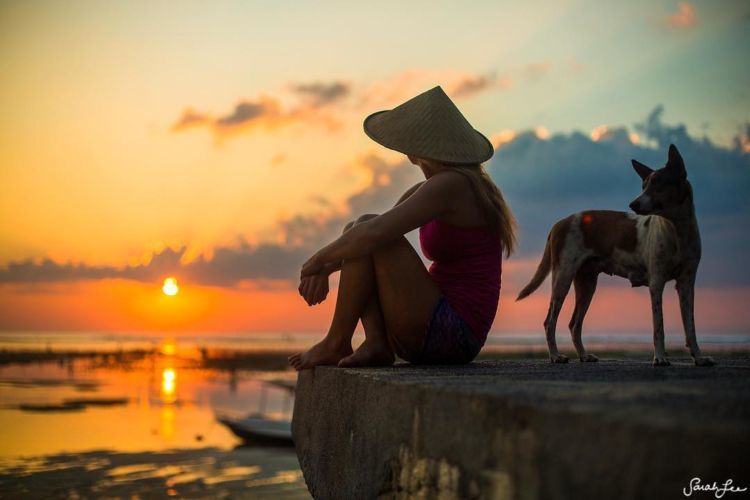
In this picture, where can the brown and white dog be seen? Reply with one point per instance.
(660, 242)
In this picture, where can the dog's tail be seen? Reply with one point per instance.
(541, 272)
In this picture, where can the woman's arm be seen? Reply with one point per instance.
(408, 193)
(314, 288)
(432, 198)
(331, 267)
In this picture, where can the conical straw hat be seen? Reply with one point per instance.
(429, 126)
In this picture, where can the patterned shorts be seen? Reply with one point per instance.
(449, 339)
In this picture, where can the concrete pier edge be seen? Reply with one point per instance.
(523, 429)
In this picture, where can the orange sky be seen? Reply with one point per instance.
(130, 306)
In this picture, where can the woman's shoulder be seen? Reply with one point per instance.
(450, 180)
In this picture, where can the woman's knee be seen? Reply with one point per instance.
(359, 219)
(365, 217)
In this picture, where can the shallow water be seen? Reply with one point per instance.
(190, 344)
(108, 420)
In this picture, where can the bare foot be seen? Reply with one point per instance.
(324, 352)
(370, 353)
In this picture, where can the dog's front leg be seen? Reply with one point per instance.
(686, 292)
(656, 287)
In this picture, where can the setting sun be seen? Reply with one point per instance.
(170, 287)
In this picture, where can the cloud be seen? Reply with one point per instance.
(547, 179)
(189, 118)
(685, 16)
(316, 101)
(406, 84)
(544, 177)
(321, 94)
(742, 140)
(264, 112)
(299, 237)
(502, 137)
(471, 85)
(227, 267)
(245, 112)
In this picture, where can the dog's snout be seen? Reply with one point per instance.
(634, 206)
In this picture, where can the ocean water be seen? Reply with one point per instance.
(289, 341)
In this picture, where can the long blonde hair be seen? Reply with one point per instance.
(496, 211)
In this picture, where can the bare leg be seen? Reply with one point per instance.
(355, 287)
(376, 349)
(407, 295)
(585, 286)
(357, 282)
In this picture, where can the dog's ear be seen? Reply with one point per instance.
(675, 163)
(642, 170)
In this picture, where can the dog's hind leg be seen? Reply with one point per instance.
(686, 292)
(561, 281)
(656, 287)
(584, 285)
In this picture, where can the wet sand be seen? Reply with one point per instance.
(196, 473)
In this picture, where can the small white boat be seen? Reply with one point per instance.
(259, 429)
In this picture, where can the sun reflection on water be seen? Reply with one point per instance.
(168, 386)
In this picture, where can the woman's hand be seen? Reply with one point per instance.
(314, 288)
(311, 267)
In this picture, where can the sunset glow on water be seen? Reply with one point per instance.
(135, 406)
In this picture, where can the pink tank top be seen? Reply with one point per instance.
(467, 264)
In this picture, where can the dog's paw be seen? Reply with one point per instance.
(558, 358)
(704, 361)
(587, 358)
(661, 361)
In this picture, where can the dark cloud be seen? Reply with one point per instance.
(190, 118)
(243, 113)
(164, 262)
(321, 94)
(263, 111)
(545, 180)
(474, 84)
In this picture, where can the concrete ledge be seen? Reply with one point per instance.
(523, 429)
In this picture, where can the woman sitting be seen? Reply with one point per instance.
(441, 315)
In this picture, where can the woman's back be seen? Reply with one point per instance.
(464, 208)
(467, 267)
